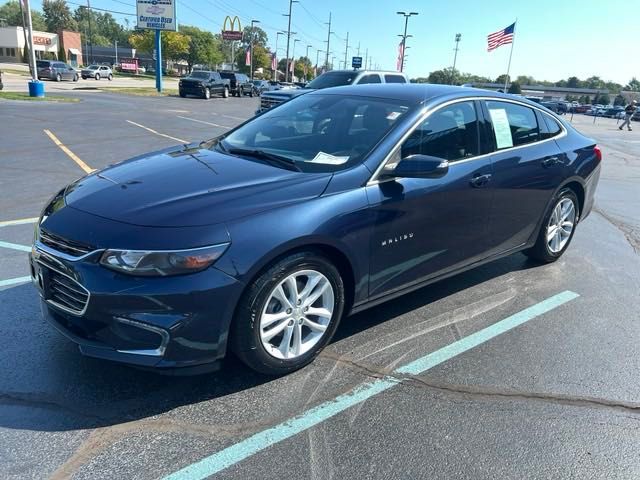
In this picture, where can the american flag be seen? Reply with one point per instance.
(274, 61)
(501, 37)
(400, 55)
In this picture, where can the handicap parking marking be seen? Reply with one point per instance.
(14, 281)
(15, 246)
(179, 140)
(21, 221)
(260, 441)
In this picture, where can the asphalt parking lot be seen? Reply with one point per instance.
(512, 370)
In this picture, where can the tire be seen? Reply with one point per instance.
(58, 77)
(251, 93)
(182, 94)
(97, 77)
(206, 94)
(110, 77)
(84, 78)
(75, 78)
(225, 93)
(246, 340)
(544, 250)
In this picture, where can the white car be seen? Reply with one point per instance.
(97, 72)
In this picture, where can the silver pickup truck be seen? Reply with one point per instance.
(334, 78)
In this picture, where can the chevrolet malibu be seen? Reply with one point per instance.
(261, 240)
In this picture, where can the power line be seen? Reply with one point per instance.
(103, 9)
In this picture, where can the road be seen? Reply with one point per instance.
(555, 397)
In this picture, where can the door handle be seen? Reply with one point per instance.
(480, 180)
(550, 161)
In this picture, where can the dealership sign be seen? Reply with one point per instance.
(129, 64)
(157, 14)
(231, 33)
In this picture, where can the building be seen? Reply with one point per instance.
(47, 46)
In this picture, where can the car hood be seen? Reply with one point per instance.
(288, 93)
(190, 186)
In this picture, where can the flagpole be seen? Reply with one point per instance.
(513, 40)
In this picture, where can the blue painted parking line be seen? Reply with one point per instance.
(14, 281)
(15, 246)
(264, 439)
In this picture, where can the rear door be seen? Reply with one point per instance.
(426, 227)
(527, 168)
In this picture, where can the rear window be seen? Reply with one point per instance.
(553, 126)
(333, 79)
(395, 79)
(199, 75)
(227, 75)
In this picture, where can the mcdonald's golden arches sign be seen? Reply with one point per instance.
(231, 33)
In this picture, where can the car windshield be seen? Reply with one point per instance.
(93, 67)
(320, 133)
(333, 79)
(199, 75)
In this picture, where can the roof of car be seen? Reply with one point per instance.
(416, 92)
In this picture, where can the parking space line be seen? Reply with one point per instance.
(228, 116)
(14, 281)
(15, 246)
(69, 153)
(264, 439)
(157, 133)
(21, 221)
(202, 121)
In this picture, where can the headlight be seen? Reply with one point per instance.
(162, 263)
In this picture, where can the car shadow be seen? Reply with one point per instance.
(49, 386)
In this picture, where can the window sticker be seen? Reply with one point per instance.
(328, 159)
(501, 128)
(393, 115)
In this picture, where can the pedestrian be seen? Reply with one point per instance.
(629, 110)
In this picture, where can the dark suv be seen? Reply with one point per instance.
(204, 84)
(239, 84)
(54, 70)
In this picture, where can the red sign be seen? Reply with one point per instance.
(41, 40)
(130, 64)
(231, 35)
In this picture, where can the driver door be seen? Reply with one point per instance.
(425, 227)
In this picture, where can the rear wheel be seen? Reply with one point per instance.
(557, 228)
(207, 94)
(289, 314)
(225, 93)
(75, 78)
(58, 77)
(110, 77)
(97, 76)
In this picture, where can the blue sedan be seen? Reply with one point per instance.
(263, 239)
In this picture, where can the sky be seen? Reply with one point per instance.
(554, 39)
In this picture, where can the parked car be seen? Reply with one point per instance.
(556, 106)
(582, 108)
(615, 112)
(54, 70)
(333, 78)
(261, 240)
(636, 116)
(142, 70)
(260, 86)
(239, 84)
(204, 84)
(97, 72)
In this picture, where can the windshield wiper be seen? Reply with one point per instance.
(272, 158)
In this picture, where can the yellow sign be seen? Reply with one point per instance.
(231, 33)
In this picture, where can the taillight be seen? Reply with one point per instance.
(598, 153)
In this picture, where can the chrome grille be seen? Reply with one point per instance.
(66, 293)
(64, 245)
(268, 102)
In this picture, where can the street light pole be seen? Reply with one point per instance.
(253, 36)
(455, 56)
(315, 72)
(307, 59)
(329, 32)
(275, 70)
(293, 58)
(286, 73)
(404, 36)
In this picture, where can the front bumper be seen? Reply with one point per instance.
(161, 323)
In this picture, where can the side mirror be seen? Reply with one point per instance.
(418, 166)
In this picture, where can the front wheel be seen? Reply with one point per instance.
(58, 78)
(97, 76)
(207, 94)
(289, 314)
(557, 228)
(225, 93)
(75, 78)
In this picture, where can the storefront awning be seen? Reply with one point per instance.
(74, 51)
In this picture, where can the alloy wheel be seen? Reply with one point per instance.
(297, 314)
(561, 225)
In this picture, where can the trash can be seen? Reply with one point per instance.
(36, 88)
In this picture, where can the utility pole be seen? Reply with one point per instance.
(307, 59)
(90, 33)
(366, 57)
(253, 36)
(329, 32)
(404, 36)
(317, 60)
(358, 48)
(346, 51)
(32, 52)
(116, 45)
(286, 73)
(455, 56)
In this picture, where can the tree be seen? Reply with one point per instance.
(439, 76)
(602, 99)
(619, 100)
(573, 82)
(633, 85)
(515, 88)
(203, 49)
(259, 36)
(594, 82)
(502, 79)
(10, 12)
(525, 80)
(104, 31)
(57, 16)
(174, 44)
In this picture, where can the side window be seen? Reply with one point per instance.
(450, 133)
(553, 126)
(372, 78)
(394, 79)
(513, 124)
